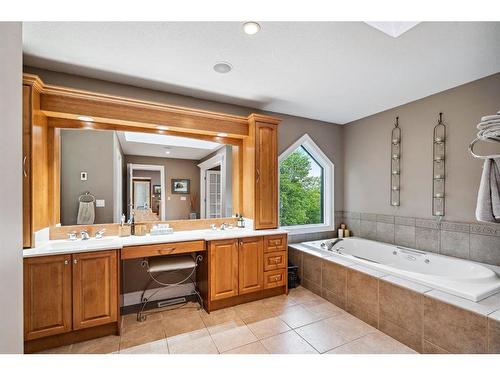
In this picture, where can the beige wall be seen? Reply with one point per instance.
(175, 208)
(11, 224)
(326, 135)
(367, 153)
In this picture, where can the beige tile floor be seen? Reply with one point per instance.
(300, 323)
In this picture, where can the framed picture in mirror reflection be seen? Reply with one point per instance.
(180, 186)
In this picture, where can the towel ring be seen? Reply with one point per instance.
(471, 149)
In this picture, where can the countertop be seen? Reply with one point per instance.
(57, 247)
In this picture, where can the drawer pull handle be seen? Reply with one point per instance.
(75, 261)
(66, 262)
(24, 166)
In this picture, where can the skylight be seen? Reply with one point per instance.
(394, 29)
(170, 140)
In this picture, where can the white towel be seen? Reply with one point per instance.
(489, 127)
(86, 213)
(488, 198)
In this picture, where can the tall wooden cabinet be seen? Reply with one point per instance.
(261, 158)
(63, 293)
(266, 170)
(40, 164)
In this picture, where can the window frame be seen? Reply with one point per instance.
(328, 186)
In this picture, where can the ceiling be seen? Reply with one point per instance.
(332, 71)
(160, 147)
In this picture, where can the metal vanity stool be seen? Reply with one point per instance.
(157, 266)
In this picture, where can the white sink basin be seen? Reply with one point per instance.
(92, 243)
(101, 242)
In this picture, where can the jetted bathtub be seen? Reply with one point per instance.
(463, 278)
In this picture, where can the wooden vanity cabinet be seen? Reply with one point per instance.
(250, 264)
(95, 288)
(241, 271)
(223, 269)
(64, 293)
(47, 296)
(236, 267)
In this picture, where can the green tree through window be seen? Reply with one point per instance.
(301, 189)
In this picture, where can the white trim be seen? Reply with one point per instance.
(149, 167)
(214, 161)
(329, 186)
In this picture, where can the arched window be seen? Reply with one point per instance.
(305, 188)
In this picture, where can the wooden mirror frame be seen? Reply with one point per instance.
(49, 108)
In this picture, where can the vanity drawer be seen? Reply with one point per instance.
(275, 260)
(275, 278)
(142, 251)
(275, 243)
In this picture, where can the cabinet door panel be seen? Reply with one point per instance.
(47, 296)
(266, 179)
(223, 269)
(251, 255)
(95, 288)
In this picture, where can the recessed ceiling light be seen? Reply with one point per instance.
(222, 134)
(223, 67)
(251, 28)
(85, 118)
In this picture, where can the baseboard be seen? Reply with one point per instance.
(134, 298)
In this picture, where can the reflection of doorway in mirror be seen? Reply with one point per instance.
(213, 194)
(141, 193)
(148, 203)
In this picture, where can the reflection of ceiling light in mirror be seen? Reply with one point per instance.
(394, 29)
(161, 127)
(169, 140)
(222, 134)
(85, 118)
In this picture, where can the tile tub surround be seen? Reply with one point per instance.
(297, 323)
(424, 319)
(474, 241)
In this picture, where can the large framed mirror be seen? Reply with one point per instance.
(153, 177)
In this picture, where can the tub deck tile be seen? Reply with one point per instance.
(484, 307)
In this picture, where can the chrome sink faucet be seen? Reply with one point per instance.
(85, 235)
(100, 233)
(223, 226)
